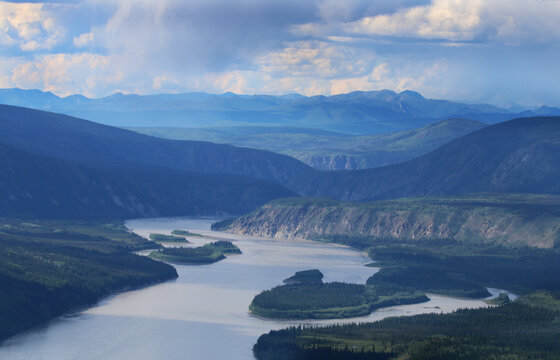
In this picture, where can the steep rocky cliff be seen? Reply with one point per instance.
(498, 219)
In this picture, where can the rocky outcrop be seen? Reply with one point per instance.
(507, 219)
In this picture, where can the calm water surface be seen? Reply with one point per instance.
(204, 313)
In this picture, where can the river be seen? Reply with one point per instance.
(204, 313)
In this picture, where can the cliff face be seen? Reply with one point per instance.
(516, 220)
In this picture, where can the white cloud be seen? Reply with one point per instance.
(312, 47)
(234, 81)
(29, 26)
(447, 19)
(84, 39)
(426, 78)
(201, 35)
(66, 74)
(317, 59)
(509, 21)
(429, 78)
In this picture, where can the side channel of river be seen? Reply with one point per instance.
(203, 315)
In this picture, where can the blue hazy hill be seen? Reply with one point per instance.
(355, 113)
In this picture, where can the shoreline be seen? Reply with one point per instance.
(340, 263)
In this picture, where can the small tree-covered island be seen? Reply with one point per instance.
(185, 233)
(162, 238)
(206, 254)
(306, 296)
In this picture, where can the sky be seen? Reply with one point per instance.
(502, 52)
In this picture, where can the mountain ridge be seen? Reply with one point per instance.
(82, 141)
(356, 113)
(39, 186)
(520, 155)
(517, 156)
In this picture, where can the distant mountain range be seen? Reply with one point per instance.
(325, 150)
(360, 113)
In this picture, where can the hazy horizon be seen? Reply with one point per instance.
(509, 107)
(474, 51)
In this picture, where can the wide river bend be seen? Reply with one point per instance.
(204, 313)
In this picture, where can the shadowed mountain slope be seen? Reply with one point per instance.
(93, 144)
(518, 156)
(39, 186)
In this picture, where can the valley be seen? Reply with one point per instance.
(477, 212)
(140, 172)
(516, 156)
(279, 180)
(325, 150)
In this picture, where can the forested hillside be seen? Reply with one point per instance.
(48, 268)
(38, 186)
(91, 144)
(524, 329)
(326, 150)
(517, 156)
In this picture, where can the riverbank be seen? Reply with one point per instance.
(49, 268)
(524, 329)
(204, 313)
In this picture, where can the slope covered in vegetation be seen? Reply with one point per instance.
(524, 329)
(517, 156)
(38, 186)
(50, 267)
(305, 296)
(324, 150)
